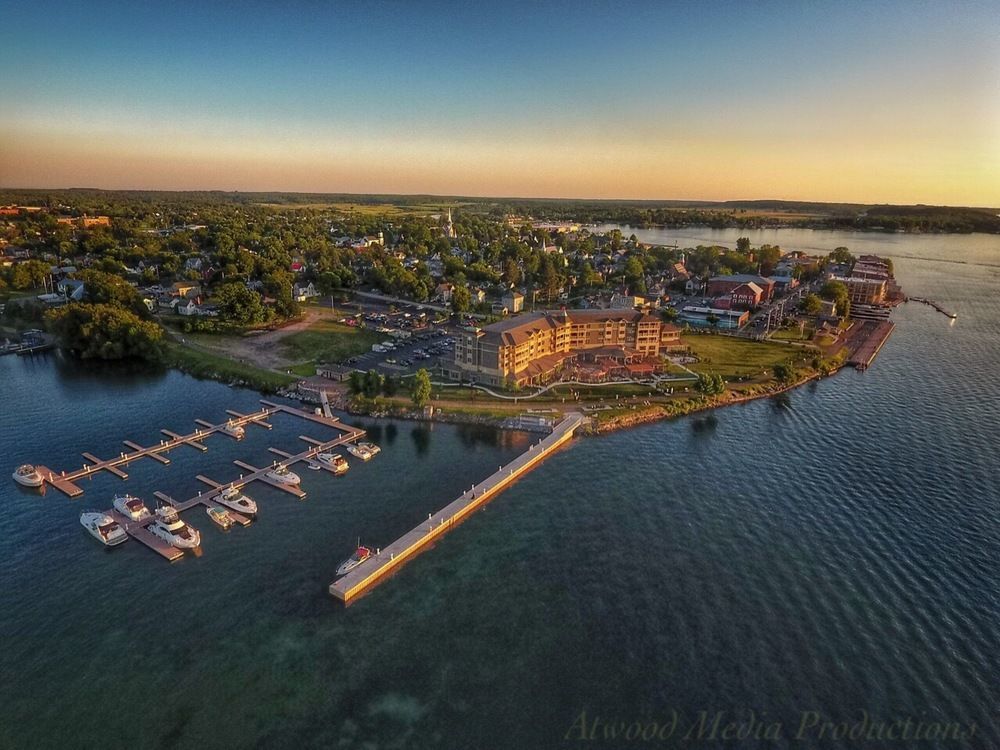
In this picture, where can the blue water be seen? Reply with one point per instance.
(833, 550)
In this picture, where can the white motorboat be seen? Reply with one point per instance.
(103, 528)
(131, 507)
(370, 447)
(233, 499)
(333, 461)
(360, 555)
(171, 529)
(28, 476)
(282, 475)
(358, 452)
(233, 430)
(220, 516)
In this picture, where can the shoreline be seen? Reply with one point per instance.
(640, 415)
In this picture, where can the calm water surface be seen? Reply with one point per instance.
(833, 550)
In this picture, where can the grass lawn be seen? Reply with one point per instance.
(328, 341)
(204, 364)
(793, 334)
(733, 357)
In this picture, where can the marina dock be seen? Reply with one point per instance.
(387, 559)
(65, 481)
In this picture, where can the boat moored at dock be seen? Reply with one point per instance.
(232, 498)
(28, 476)
(333, 461)
(282, 475)
(220, 516)
(131, 507)
(233, 430)
(360, 452)
(169, 527)
(360, 555)
(370, 447)
(103, 528)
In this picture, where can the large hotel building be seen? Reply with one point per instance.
(532, 348)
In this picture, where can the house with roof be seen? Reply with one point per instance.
(443, 291)
(746, 296)
(513, 300)
(722, 286)
(301, 293)
(185, 289)
(71, 289)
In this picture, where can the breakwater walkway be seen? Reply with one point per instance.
(933, 304)
(376, 567)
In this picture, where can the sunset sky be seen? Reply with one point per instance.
(869, 101)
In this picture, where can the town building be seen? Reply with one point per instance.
(533, 348)
(723, 286)
(864, 291)
(745, 296)
(513, 301)
(709, 317)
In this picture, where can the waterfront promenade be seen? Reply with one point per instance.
(387, 559)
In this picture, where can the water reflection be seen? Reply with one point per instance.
(421, 435)
(704, 425)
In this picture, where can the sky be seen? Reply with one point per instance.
(871, 102)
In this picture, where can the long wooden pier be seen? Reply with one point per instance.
(376, 567)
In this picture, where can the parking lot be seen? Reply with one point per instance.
(409, 342)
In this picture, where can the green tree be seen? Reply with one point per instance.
(390, 386)
(356, 382)
(104, 331)
(27, 275)
(372, 383)
(837, 291)
(784, 373)
(420, 388)
(240, 305)
(107, 289)
(461, 299)
(811, 304)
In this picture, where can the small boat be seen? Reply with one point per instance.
(233, 430)
(282, 475)
(360, 555)
(28, 476)
(234, 499)
(220, 516)
(371, 448)
(171, 529)
(333, 461)
(103, 528)
(131, 507)
(358, 452)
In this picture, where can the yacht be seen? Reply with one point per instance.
(28, 476)
(359, 452)
(360, 555)
(282, 475)
(171, 529)
(334, 461)
(103, 528)
(220, 516)
(233, 430)
(371, 448)
(131, 507)
(236, 500)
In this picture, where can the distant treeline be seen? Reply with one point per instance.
(747, 214)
